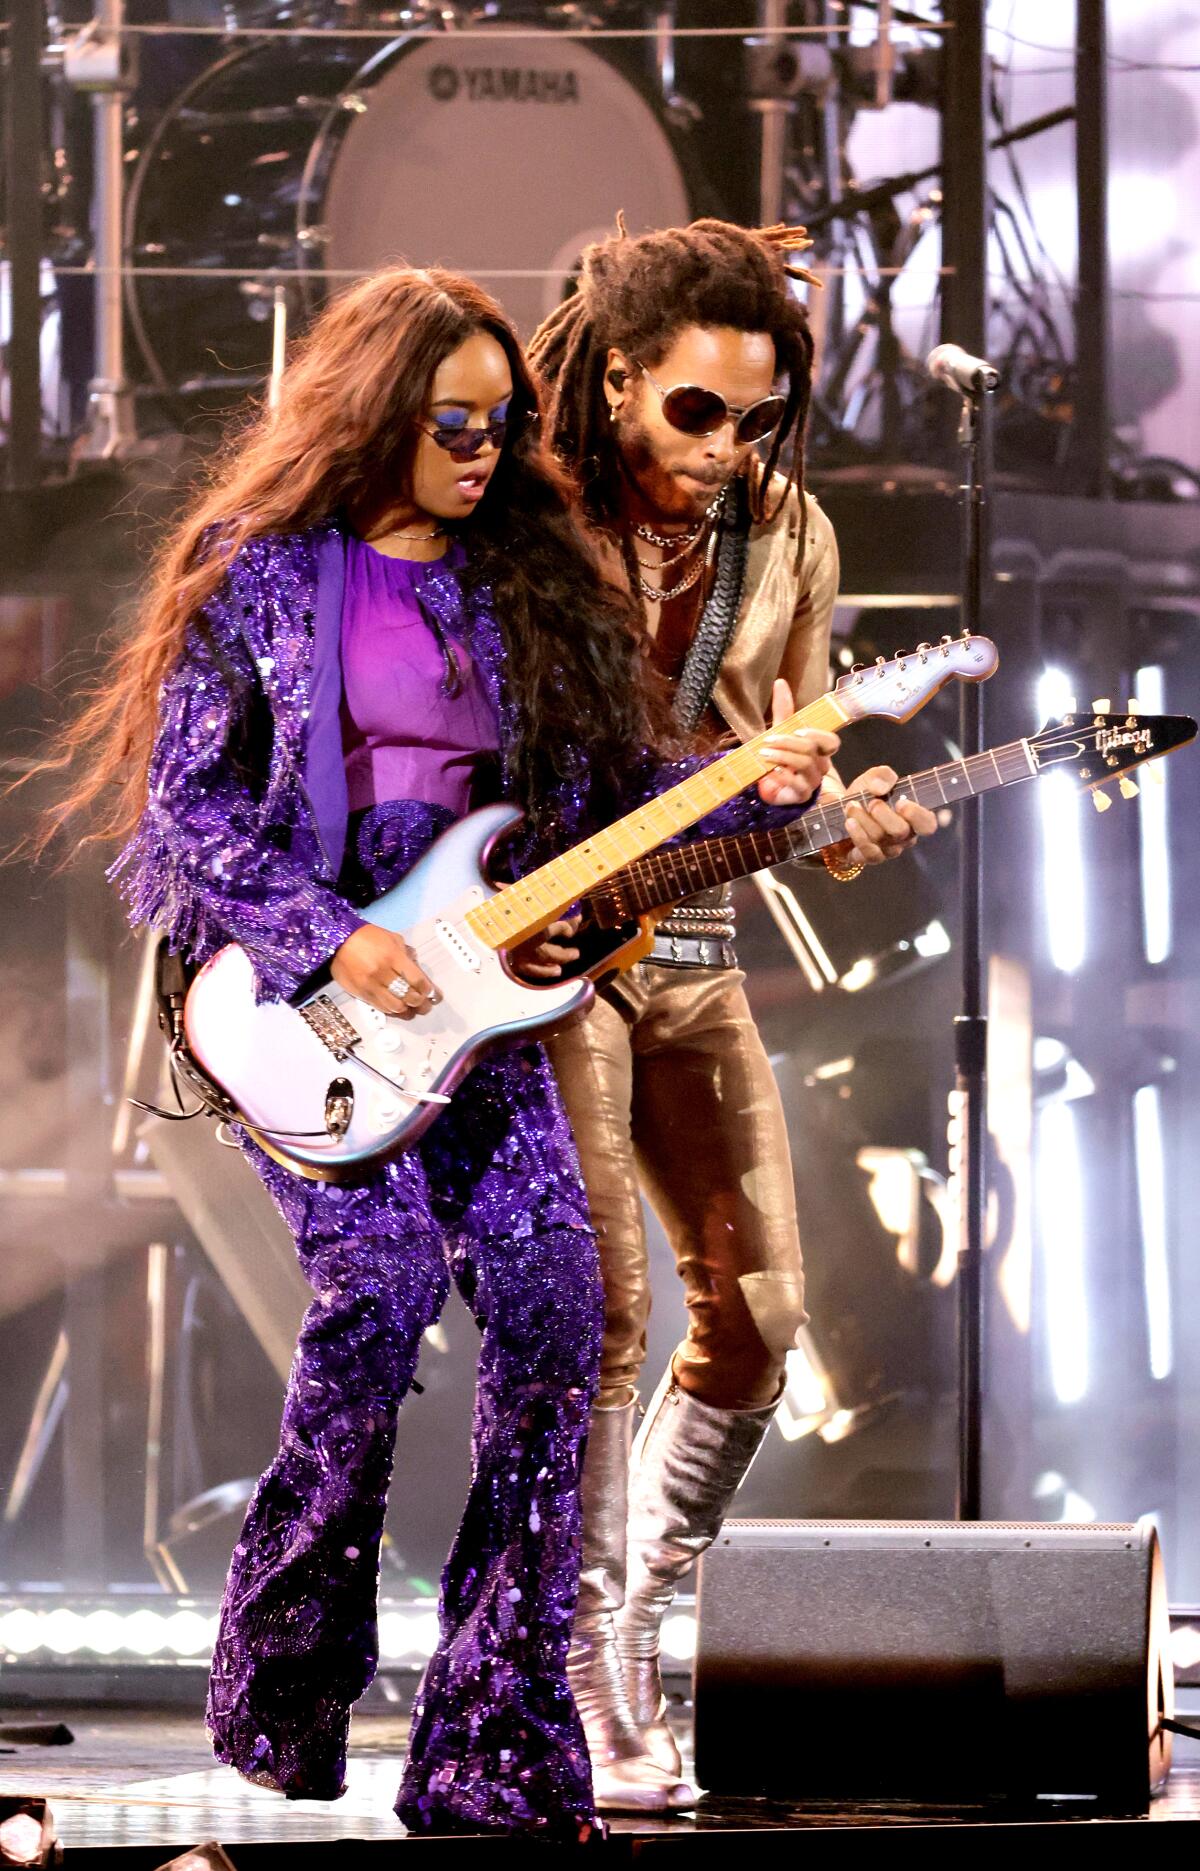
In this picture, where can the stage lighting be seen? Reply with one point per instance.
(28, 1834)
(1153, 817)
(1063, 890)
(1060, 1208)
(1150, 1166)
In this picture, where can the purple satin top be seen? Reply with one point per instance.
(404, 736)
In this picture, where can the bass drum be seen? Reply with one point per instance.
(501, 160)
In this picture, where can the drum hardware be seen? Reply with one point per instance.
(300, 157)
(99, 60)
(682, 113)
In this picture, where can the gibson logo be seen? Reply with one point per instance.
(1109, 739)
(504, 84)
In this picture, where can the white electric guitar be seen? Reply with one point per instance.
(328, 1083)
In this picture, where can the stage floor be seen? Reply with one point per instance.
(138, 1786)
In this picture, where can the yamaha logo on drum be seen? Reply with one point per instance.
(503, 84)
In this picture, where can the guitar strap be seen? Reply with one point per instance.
(718, 619)
(702, 666)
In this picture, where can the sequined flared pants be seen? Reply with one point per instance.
(492, 1199)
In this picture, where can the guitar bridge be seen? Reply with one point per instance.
(330, 1025)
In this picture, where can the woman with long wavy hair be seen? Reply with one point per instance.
(379, 614)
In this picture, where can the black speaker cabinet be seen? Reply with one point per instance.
(937, 1661)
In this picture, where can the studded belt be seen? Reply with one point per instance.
(693, 951)
(698, 933)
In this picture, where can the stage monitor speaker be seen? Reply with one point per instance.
(936, 1661)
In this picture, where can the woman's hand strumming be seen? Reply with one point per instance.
(373, 962)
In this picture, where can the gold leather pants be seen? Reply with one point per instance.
(669, 1084)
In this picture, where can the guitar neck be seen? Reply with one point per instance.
(665, 876)
(523, 908)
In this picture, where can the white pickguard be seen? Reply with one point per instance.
(279, 1072)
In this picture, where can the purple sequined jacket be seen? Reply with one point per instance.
(251, 853)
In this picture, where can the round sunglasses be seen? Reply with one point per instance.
(694, 410)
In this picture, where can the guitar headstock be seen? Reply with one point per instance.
(897, 688)
(1101, 747)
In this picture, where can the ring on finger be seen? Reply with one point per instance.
(400, 987)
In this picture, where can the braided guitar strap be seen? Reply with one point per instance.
(714, 632)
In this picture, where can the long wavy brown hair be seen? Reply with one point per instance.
(341, 443)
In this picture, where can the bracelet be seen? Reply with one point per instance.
(842, 873)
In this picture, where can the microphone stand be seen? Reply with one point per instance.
(970, 1025)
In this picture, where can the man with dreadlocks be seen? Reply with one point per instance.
(662, 374)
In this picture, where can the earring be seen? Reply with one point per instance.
(614, 410)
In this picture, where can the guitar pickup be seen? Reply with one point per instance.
(460, 950)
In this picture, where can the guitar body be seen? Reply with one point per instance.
(324, 1109)
(608, 951)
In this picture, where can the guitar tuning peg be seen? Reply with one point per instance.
(1154, 773)
(1133, 705)
(1100, 800)
(1102, 705)
(1129, 788)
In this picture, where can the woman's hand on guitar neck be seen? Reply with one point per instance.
(371, 960)
(801, 760)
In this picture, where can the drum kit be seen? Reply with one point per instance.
(316, 147)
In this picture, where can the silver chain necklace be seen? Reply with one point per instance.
(672, 539)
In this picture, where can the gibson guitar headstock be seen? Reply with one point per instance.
(1102, 747)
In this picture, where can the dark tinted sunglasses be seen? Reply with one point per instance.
(696, 411)
(463, 443)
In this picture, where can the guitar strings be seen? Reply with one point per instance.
(1062, 736)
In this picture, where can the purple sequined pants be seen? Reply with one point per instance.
(492, 1198)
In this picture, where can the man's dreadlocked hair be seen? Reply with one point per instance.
(636, 295)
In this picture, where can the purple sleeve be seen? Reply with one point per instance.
(202, 864)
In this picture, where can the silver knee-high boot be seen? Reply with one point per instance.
(625, 1777)
(688, 1462)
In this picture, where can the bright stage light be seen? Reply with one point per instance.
(1152, 1208)
(933, 939)
(1063, 892)
(20, 1633)
(1060, 1213)
(838, 1427)
(23, 1840)
(1185, 1647)
(65, 1632)
(1048, 1053)
(1155, 848)
(404, 1634)
(679, 1637)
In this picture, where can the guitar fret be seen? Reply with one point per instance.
(649, 876)
(662, 877)
(499, 921)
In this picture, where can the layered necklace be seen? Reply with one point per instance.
(687, 544)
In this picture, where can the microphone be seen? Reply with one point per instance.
(951, 365)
